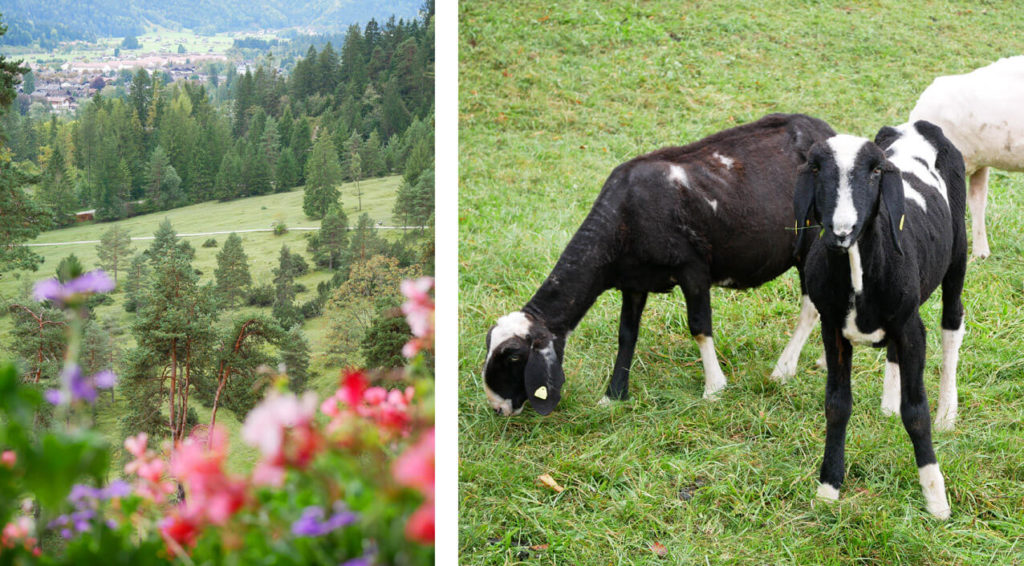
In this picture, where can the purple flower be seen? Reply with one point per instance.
(79, 493)
(312, 523)
(361, 561)
(86, 284)
(81, 387)
(116, 488)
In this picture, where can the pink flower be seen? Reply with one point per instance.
(180, 529)
(419, 313)
(19, 531)
(8, 458)
(212, 495)
(148, 467)
(415, 469)
(282, 428)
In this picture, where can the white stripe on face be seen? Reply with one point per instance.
(845, 149)
(508, 326)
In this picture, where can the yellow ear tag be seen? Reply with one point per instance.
(902, 218)
(808, 222)
(822, 233)
(541, 392)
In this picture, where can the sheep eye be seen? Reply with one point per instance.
(513, 358)
(877, 171)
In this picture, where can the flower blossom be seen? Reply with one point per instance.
(75, 290)
(20, 531)
(282, 428)
(212, 496)
(388, 409)
(78, 387)
(419, 313)
(415, 469)
(8, 458)
(148, 467)
(313, 524)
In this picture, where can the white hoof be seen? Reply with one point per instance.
(945, 421)
(782, 373)
(820, 363)
(890, 407)
(604, 402)
(981, 251)
(934, 488)
(827, 493)
(713, 392)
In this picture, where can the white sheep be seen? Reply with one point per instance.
(982, 113)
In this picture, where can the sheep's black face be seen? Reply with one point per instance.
(521, 365)
(839, 189)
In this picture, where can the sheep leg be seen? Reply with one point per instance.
(697, 291)
(977, 196)
(629, 330)
(891, 386)
(785, 368)
(914, 411)
(838, 404)
(952, 338)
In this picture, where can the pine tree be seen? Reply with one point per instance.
(115, 250)
(287, 174)
(294, 355)
(58, 186)
(284, 309)
(233, 278)
(328, 246)
(38, 337)
(388, 332)
(138, 274)
(323, 173)
(355, 168)
(235, 362)
(301, 142)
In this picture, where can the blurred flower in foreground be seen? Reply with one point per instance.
(148, 467)
(79, 387)
(19, 531)
(419, 313)
(212, 495)
(313, 524)
(73, 291)
(415, 469)
(388, 409)
(282, 428)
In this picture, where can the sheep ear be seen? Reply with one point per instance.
(803, 203)
(892, 196)
(544, 377)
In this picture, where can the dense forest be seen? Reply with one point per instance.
(47, 23)
(342, 113)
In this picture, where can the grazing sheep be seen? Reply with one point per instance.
(982, 113)
(891, 221)
(715, 212)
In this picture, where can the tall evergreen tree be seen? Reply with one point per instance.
(323, 173)
(232, 274)
(329, 245)
(384, 338)
(115, 250)
(294, 354)
(163, 185)
(284, 309)
(302, 141)
(138, 275)
(287, 174)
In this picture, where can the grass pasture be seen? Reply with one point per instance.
(552, 97)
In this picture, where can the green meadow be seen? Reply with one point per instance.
(262, 248)
(552, 97)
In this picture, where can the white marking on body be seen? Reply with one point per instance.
(827, 492)
(853, 333)
(845, 149)
(786, 366)
(727, 161)
(713, 203)
(714, 379)
(856, 270)
(891, 389)
(724, 282)
(945, 415)
(906, 153)
(677, 174)
(934, 488)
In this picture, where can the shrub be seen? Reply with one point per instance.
(280, 229)
(261, 296)
(211, 243)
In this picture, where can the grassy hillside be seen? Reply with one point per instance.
(552, 98)
(262, 249)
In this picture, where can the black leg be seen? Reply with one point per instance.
(838, 403)
(914, 411)
(696, 287)
(629, 329)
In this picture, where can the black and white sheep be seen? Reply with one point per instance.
(891, 221)
(982, 113)
(715, 212)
